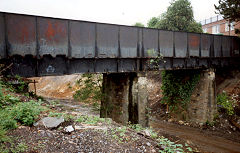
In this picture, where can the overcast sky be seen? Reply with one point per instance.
(126, 12)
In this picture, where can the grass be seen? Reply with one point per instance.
(67, 117)
(166, 145)
(91, 120)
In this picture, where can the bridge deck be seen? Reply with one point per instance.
(49, 46)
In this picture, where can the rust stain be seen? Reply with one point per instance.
(194, 41)
(50, 33)
(24, 33)
(21, 30)
(55, 31)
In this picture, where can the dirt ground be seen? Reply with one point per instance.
(203, 140)
(99, 138)
(102, 137)
(221, 137)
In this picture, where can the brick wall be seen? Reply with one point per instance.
(222, 30)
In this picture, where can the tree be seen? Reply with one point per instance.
(179, 17)
(230, 9)
(153, 22)
(138, 24)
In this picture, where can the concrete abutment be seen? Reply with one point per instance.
(125, 98)
(203, 106)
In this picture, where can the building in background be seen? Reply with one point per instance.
(218, 25)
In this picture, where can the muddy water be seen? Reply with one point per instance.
(204, 141)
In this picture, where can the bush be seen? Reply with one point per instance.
(226, 103)
(7, 121)
(7, 100)
(24, 113)
(178, 86)
(90, 87)
(3, 136)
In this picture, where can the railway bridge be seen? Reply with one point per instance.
(41, 46)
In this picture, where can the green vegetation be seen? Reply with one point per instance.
(20, 147)
(119, 134)
(226, 103)
(179, 17)
(230, 9)
(90, 88)
(21, 85)
(138, 24)
(155, 58)
(67, 117)
(14, 112)
(166, 144)
(177, 87)
(92, 120)
(23, 113)
(170, 146)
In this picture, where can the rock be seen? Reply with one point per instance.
(69, 129)
(50, 122)
(181, 122)
(90, 127)
(238, 121)
(49, 134)
(42, 133)
(148, 144)
(73, 136)
(147, 132)
(71, 142)
(79, 127)
(22, 127)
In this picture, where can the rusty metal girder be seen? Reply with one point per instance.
(59, 46)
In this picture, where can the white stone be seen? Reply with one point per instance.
(69, 128)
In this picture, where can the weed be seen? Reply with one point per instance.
(3, 136)
(24, 113)
(53, 103)
(177, 88)
(169, 146)
(92, 120)
(68, 117)
(226, 103)
(96, 106)
(7, 100)
(154, 62)
(119, 134)
(21, 147)
(210, 123)
(54, 114)
(27, 112)
(69, 85)
(7, 121)
(89, 87)
(136, 127)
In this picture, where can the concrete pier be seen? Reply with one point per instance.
(125, 98)
(203, 105)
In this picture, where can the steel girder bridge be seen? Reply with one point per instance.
(39, 46)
